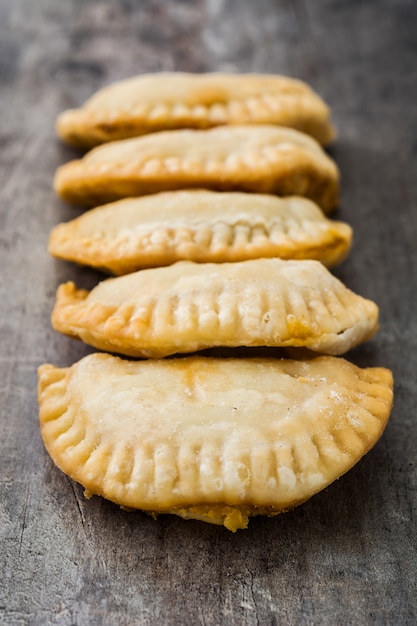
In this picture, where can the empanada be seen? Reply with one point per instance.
(212, 439)
(201, 226)
(264, 159)
(188, 306)
(154, 102)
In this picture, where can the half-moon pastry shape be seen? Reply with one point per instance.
(200, 226)
(189, 306)
(255, 159)
(165, 101)
(212, 439)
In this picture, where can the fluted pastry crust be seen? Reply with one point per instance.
(155, 102)
(201, 226)
(188, 306)
(263, 159)
(212, 439)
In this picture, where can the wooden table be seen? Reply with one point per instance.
(348, 556)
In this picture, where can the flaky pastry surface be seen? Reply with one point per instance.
(202, 226)
(263, 159)
(213, 439)
(188, 306)
(154, 102)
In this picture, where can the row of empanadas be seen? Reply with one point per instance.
(214, 439)
(201, 226)
(211, 439)
(150, 103)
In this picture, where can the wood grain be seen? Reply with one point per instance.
(348, 555)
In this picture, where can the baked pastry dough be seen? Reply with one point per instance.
(188, 306)
(211, 439)
(201, 226)
(154, 102)
(264, 159)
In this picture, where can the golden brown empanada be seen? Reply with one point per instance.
(154, 102)
(264, 159)
(212, 439)
(201, 226)
(188, 306)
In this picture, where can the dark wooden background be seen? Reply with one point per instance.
(348, 556)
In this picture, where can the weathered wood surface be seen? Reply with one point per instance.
(348, 556)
